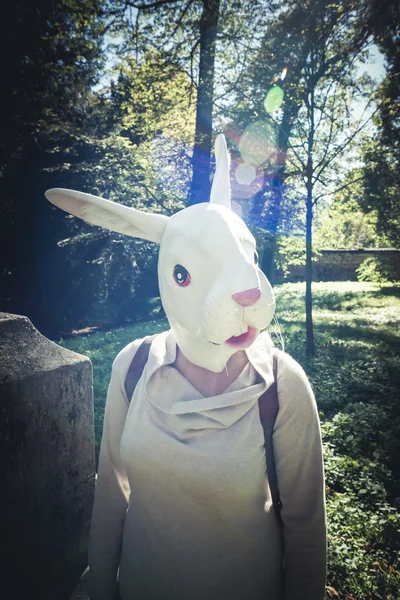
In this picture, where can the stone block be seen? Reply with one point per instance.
(46, 462)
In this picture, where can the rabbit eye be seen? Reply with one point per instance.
(181, 276)
(255, 257)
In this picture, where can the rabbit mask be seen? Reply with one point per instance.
(215, 297)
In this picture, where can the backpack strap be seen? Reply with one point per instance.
(136, 367)
(268, 404)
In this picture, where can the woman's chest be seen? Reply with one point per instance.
(170, 456)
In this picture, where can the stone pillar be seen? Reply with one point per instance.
(47, 463)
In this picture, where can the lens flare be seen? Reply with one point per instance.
(247, 180)
(284, 73)
(274, 99)
(257, 143)
(245, 174)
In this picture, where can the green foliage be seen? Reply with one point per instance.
(291, 252)
(344, 224)
(362, 523)
(51, 57)
(355, 380)
(133, 149)
(381, 21)
(382, 186)
(375, 270)
(382, 153)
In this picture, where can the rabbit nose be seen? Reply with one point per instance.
(248, 297)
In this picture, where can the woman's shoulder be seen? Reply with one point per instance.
(124, 358)
(127, 353)
(294, 388)
(291, 377)
(288, 368)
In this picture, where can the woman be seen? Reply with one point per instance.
(183, 506)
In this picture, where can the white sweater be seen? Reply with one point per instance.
(182, 502)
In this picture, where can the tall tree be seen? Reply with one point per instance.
(272, 82)
(51, 54)
(134, 150)
(200, 188)
(186, 32)
(198, 35)
(313, 121)
(382, 186)
(324, 132)
(382, 154)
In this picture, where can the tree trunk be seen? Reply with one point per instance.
(273, 219)
(309, 317)
(200, 188)
(310, 344)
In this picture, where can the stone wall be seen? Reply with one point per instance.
(47, 462)
(341, 265)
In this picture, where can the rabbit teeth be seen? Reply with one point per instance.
(244, 340)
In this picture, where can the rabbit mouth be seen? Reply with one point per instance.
(244, 340)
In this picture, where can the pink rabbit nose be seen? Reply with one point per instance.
(248, 297)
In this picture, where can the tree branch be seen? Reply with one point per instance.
(177, 26)
(339, 189)
(144, 7)
(344, 144)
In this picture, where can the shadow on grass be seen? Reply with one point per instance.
(390, 291)
(336, 300)
(360, 331)
(331, 300)
(326, 332)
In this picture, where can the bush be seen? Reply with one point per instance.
(375, 270)
(363, 526)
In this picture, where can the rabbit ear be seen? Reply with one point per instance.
(110, 215)
(221, 189)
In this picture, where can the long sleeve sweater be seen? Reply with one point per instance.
(182, 507)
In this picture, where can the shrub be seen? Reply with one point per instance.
(375, 270)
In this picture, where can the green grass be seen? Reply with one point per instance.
(355, 377)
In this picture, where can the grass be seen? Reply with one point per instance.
(355, 377)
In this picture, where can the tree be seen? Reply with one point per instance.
(315, 122)
(381, 20)
(322, 137)
(178, 29)
(123, 141)
(134, 150)
(51, 57)
(344, 224)
(193, 34)
(200, 188)
(382, 154)
(382, 188)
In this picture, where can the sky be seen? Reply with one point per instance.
(375, 65)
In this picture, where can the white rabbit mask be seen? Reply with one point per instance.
(215, 297)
